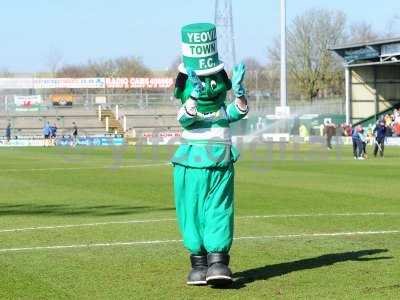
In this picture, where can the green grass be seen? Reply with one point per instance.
(64, 186)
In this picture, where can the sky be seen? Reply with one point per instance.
(35, 32)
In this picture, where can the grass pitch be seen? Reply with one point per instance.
(98, 223)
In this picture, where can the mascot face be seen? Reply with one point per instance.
(214, 94)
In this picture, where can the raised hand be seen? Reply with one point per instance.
(237, 80)
(198, 87)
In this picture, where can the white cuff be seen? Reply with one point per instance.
(241, 111)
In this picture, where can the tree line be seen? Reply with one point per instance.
(313, 70)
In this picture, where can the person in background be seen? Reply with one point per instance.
(349, 129)
(54, 131)
(304, 133)
(388, 123)
(380, 134)
(330, 131)
(74, 134)
(356, 141)
(8, 132)
(321, 129)
(396, 114)
(396, 122)
(53, 134)
(46, 133)
(346, 129)
(362, 151)
(396, 128)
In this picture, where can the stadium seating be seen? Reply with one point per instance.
(31, 123)
(142, 120)
(150, 119)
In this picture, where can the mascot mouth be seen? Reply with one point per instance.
(207, 98)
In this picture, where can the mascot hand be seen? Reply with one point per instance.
(191, 107)
(198, 86)
(237, 80)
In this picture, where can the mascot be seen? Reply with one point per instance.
(203, 163)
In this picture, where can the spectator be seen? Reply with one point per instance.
(74, 134)
(396, 123)
(321, 130)
(8, 132)
(380, 134)
(53, 134)
(54, 131)
(356, 142)
(396, 115)
(303, 132)
(46, 133)
(362, 146)
(348, 129)
(388, 123)
(330, 131)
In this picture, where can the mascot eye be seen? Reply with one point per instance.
(213, 84)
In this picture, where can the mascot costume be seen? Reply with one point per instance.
(203, 163)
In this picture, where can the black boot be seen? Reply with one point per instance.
(218, 272)
(197, 275)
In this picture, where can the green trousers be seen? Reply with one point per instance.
(204, 206)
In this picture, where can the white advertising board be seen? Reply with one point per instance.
(86, 83)
(22, 143)
(16, 83)
(69, 83)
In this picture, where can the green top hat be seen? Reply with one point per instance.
(199, 49)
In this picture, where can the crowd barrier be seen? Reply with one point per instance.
(23, 143)
(64, 141)
(174, 139)
(90, 141)
(286, 138)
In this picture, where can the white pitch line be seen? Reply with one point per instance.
(153, 242)
(84, 225)
(90, 245)
(321, 215)
(283, 236)
(49, 227)
(86, 168)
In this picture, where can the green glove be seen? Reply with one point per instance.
(237, 80)
(198, 87)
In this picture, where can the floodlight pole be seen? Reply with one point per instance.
(347, 77)
(283, 55)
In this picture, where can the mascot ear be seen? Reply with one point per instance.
(226, 80)
(180, 81)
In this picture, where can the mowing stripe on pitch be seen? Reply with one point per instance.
(155, 242)
(49, 227)
(88, 168)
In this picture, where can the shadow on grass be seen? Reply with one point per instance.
(269, 271)
(70, 210)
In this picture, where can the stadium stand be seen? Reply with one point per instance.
(31, 123)
(87, 119)
(150, 119)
